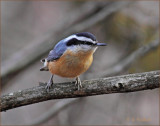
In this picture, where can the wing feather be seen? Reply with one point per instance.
(57, 52)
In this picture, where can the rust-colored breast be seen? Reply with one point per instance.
(70, 64)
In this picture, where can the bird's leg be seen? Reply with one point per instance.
(49, 84)
(78, 82)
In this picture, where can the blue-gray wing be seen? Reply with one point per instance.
(57, 52)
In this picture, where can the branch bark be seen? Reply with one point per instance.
(117, 84)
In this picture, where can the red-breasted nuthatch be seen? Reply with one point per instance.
(71, 57)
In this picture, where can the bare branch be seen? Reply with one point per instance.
(118, 84)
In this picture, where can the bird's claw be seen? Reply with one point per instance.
(48, 86)
(78, 83)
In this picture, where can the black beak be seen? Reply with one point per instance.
(101, 44)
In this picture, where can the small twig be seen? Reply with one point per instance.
(118, 84)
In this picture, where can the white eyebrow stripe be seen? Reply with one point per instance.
(80, 38)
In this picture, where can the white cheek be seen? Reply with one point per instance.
(78, 48)
(45, 63)
(85, 47)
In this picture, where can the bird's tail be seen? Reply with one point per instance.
(45, 67)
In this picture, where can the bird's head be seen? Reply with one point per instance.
(83, 41)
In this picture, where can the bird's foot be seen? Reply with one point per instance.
(49, 85)
(78, 83)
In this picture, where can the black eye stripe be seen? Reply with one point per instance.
(75, 41)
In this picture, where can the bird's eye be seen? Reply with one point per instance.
(72, 42)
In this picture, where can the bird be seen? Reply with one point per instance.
(71, 57)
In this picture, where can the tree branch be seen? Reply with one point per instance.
(117, 84)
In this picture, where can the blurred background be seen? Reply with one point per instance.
(29, 29)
